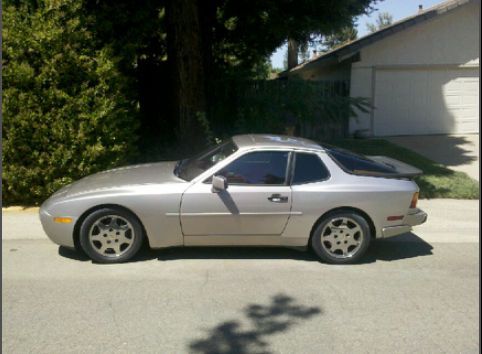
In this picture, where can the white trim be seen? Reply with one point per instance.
(418, 66)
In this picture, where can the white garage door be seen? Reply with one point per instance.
(411, 102)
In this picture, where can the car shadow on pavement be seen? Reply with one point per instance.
(400, 247)
(396, 248)
(234, 253)
(73, 254)
(264, 320)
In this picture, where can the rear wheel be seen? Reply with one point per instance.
(341, 238)
(111, 235)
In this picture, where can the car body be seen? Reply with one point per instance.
(263, 209)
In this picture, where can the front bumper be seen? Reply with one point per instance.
(61, 234)
(415, 218)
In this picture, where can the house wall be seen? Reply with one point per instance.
(449, 42)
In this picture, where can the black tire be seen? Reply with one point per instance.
(93, 250)
(328, 254)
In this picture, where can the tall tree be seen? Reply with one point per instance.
(242, 34)
(338, 38)
(292, 53)
(304, 52)
(185, 55)
(383, 20)
(195, 43)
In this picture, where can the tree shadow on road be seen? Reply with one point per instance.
(444, 149)
(400, 247)
(232, 337)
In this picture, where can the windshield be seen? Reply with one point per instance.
(190, 168)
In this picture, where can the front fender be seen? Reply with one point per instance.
(152, 204)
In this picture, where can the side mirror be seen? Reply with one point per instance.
(220, 183)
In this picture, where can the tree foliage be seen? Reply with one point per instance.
(79, 76)
(315, 108)
(384, 19)
(64, 112)
(339, 38)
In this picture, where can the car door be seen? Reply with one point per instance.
(257, 200)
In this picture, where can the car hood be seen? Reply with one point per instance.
(152, 173)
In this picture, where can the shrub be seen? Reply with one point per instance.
(64, 113)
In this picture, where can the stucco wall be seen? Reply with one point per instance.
(449, 38)
(361, 86)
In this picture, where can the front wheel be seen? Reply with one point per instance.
(341, 238)
(111, 235)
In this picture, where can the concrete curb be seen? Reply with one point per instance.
(20, 209)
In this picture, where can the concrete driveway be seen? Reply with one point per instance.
(458, 152)
(415, 293)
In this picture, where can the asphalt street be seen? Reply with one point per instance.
(414, 293)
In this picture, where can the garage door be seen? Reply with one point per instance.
(413, 102)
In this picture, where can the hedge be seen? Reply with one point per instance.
(64, 112)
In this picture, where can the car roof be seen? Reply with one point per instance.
(274, 141)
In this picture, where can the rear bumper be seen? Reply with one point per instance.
(416, 218)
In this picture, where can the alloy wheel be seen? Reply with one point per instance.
(342, 237)
(111, 236)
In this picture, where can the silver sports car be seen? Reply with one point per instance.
(251, 190)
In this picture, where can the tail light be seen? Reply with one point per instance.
(413, 203)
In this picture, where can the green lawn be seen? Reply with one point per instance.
(437, 181)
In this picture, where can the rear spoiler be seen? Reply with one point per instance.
(401, 169)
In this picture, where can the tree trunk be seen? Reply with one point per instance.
(207, 17)
(292, 53)
(186, 61)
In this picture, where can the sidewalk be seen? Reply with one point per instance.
(18, 223)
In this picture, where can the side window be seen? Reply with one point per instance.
(309, 168)
(262, 167)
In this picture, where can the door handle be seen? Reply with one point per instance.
(278, 198)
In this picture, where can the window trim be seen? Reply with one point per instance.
(288, 170)
(294, 167)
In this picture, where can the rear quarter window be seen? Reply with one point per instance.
(358, 164)
(308, 169)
